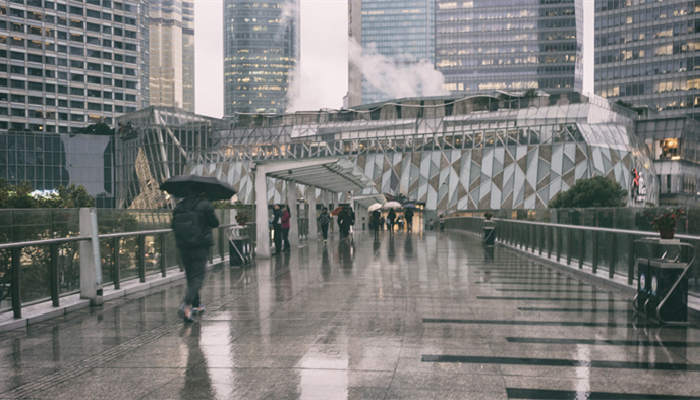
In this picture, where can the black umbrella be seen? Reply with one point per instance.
(182, 185)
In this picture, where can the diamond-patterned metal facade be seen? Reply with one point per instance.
(448, 155)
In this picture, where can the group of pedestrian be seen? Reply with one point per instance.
(377, 221)
(280, 227)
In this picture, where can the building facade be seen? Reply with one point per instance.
(261, 52)
(488, 151)
(64, 65)
(484, 45)
(171, 53)
(49, 160)
(402, 31)
(646, 54)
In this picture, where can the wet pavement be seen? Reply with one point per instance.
(436, 316)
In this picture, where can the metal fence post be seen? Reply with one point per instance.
(53, 273)
(221, 244)
(582, 251)
(141, 257)
(631, 262)
(569, 245)
(559, 245)
(540, 241)
(16, 279)
(594, 261)
(549, 239)
(161, 242)
(613, 255)
(116, 275)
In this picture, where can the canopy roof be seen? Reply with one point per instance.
(335, 175)
(366, 200)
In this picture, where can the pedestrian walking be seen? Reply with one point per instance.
(324, 220)
(376, 222)
(277, 228)
(344, 222)
(285, 228)
(390, 218)
(409, 219)
(192, 223)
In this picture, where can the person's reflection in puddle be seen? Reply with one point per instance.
(325, 264)
(345, 253)
(197, 381)
(392, 249)
(408, 247)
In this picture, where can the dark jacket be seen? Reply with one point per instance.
(276, 218)
(324, 219)
(207, 217)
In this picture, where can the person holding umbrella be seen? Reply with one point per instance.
(192, 223)
(193, 220)
(409, 218)
(391, 217)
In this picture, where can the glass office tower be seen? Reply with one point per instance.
(403, 31)
(646, 54)
(486, 45)
(64, 65)
(171, 55)
(261, 51)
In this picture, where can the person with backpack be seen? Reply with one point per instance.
(192, 223)
(409, 219)
(286, 216)
(324, 220)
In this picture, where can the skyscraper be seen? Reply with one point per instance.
(64, 65)
(646, 53)
(509, 45)
(171, 66)
(402, 31)
(261, 51)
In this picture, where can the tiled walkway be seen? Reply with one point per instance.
(402, 317)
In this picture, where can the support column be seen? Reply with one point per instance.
(311, 200)
(262, 227)
(90, 260)
(294, 221)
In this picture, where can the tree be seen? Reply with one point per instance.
(20, 196)
(598, 191)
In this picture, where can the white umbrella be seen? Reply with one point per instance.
(374, 207)
(392, 204)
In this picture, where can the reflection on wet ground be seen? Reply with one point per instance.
(422, 316)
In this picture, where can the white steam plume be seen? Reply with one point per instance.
(395, 79)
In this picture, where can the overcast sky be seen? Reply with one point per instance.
(324, 55)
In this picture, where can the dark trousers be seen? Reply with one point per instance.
(285, 238)
(324, 230)
(195, 263)
(278, 238)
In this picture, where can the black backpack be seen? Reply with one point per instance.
(187, 225)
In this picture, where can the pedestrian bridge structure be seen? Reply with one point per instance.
(434, 315)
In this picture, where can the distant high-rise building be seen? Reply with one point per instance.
(261, 52)
(484, 45)
(403, 31)
(646, 53)
(64, 65)
(171, 64)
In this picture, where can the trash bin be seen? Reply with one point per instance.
(489, 233)
(662, 281)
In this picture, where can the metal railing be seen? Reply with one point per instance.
(599, 249)
(124, 256)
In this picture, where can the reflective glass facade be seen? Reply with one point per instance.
(487, 151)
(486, 45)
(261, 45)
(401, 30)
(171, 31)
(646, 53)
(65, 65)
(49, 160)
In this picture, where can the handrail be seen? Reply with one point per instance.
(592, 228)
(41, 242)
